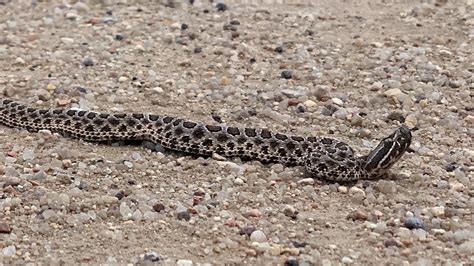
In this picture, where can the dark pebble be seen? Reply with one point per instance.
(184, 215)
(234, 22)
(118, 37)
(197, 50)
(390, 243)
(291, 261)
(247, 230)
(180, 40)
(88, 62)
(297, 244)
(300, 108)
(199, 193)
(252, 112)
(205, 11)
(453, 84)
(109, 12)
(81, 89)
(252, 60)
(192, 35)
(450, 167)
(59, 90)
(396, 116)
(184, 26)
(120, 195)
(158, 207)
(286, 74)
(152, 256)
(221, 7)
(5, 228)
(414, 223)
(279, 49)
(328, 110)
(83, 185)
(229, 27)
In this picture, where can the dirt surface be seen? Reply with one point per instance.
(348, 70)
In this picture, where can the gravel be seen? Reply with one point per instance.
(352, 72)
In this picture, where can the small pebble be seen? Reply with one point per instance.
(5, 228)
(184, 215)
(247, 230)
(88, 62)
(221, 7)
(467, 248)
(358, 215)
(184, 262)
(414, 223)
(158, 207)
(291, 261)
(9, 251)
(346, 260)
(286, 74)
(152, 256)
(390, 243)
(291, 212)
(258, 236)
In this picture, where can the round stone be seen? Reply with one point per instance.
(184, 215)
(286, 74)
(221, 7)
(88, 62)
(152, 256)
(247, 230)
(414, 223)
(258, 236)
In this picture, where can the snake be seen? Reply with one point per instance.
(323, 158)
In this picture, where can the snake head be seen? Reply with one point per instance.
(388, 152)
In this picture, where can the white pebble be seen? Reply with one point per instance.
(346, 260)
(28, 154)
(356, 191)
(184, 263)
(310, 104)
(9, 251)
(342, 189)
(122, 79)
(125, 211)
(306, 181)
(393, 92)
(258, 236)
(337, 101)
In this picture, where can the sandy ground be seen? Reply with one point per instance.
(348, 70)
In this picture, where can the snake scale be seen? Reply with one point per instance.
(323, 158)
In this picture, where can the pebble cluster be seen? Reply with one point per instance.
(337, 69)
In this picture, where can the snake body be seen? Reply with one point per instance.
(323, 158)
